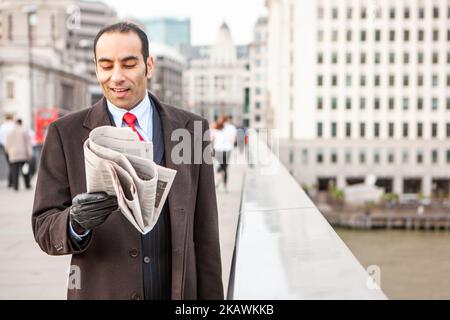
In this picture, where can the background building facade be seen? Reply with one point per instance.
(215, 80)
(361, 87)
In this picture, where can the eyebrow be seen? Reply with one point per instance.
(127, 58)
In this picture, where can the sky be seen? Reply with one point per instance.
(206, 15)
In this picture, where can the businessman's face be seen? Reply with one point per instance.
(120, 68)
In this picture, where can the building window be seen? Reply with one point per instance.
(334, 103)
(435, 35)
(405, 58)
(362, 103)
(419, 130)
(405, 103)
(434, 80)
(405, 156)
(319, 103)
(434, 156)
(333, 129)
(349, 35)
(304, 156)
(448, 155)
(419, 157)
(434, 104)
(392, 13)
(377, 58)
(348, 129)
(334, 36)
(320, 13)
(334, 13)
(391, 103)
(320, 58)
(348, 157)
(391, 80)
(448, 80)
(334, 80)
(10, 89)
(362, 58)
(435, 12)
(406, 35)
(391, 58)
(376, 157)
(391, 157)
(406, 13)
(348, 103)
(319, 130)
(420, 57)
(405, 80)
(377, 35)
(291, 156)
(447, 126)
(334, 158)
(420, 35)
(420, 103)
(319, 157)
(362, 80)
(362, 157)
(421, 12)
(391, 129)
(392, 35)
(435, 58)
(348, 80)
(362, 130)
(376, 129)
(376, 80)
(319, 80)
(363, 36)
(348, 58)
(420, 80)
(376, 103)
(363, 13)
(434, 130)
(405, 130)
(10, 28)
(349, 12)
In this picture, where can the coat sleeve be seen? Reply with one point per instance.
(206, 230)
(52, 200)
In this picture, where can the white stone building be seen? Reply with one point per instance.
(259, 115)
(361, 87)
(215, 80)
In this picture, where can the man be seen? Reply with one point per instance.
(5, 129)
(20, 151)
(180, 257)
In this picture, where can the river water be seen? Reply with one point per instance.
(414, 264)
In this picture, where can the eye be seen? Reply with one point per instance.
(129, 66)
(106, 67)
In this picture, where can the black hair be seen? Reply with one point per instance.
(125, 27)
(19, 122)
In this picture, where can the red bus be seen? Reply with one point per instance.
(42, 119)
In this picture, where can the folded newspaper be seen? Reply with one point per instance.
(118, 163)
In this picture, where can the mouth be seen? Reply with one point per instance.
(120, 92)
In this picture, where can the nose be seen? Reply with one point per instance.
(117, 75)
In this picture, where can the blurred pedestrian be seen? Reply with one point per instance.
(5, 129)
(20, 152)
(223, 143)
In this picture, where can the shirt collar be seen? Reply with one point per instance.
(142, 112)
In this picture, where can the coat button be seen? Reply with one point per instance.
(135, 296)
(134, 253)
(146, 260)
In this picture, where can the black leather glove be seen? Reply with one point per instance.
(89, 210)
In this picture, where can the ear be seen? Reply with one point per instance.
(149, 67)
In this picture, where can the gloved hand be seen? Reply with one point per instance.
(89, 210)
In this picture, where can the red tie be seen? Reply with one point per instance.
(130, 119)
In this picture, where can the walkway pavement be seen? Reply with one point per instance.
(26, 272)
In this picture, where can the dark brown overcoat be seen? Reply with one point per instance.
(110, 265)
